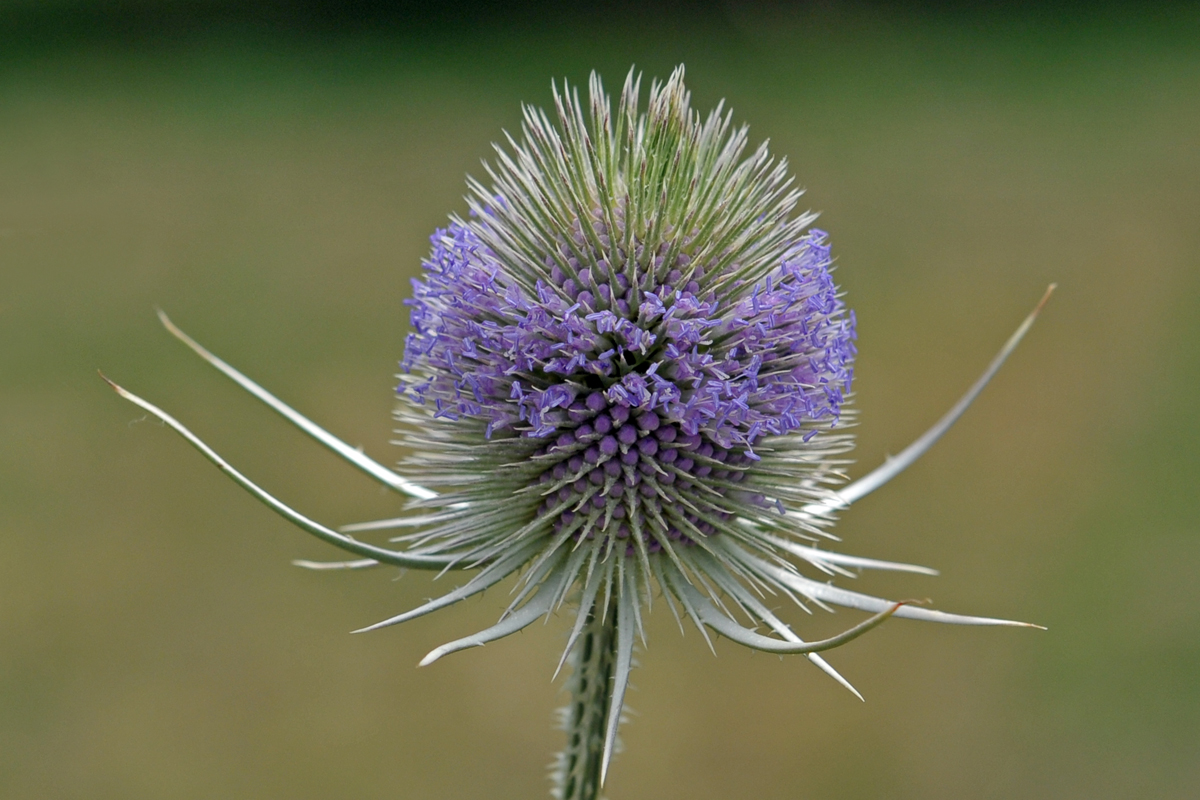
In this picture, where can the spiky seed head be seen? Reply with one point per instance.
(631, 347)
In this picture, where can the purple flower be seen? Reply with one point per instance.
(694, 373)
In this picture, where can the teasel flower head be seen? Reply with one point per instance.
(628, 378)
(628, 364)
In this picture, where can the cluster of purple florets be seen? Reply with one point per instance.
(638, 392)
(621, 474)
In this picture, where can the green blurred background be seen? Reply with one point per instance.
(270, 178)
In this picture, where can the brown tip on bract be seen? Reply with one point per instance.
(1045, 298)
(116, 387)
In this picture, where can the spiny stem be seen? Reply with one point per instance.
(578, 771)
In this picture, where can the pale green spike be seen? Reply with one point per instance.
(728, 628)
(897, 464)
(729, 584)
(621, 670)
(668, 596)
(393, 523)
(573, 566)
(541, 603)
(816, 556)
(690, 609)
(345, 451)
(825, 667)
(547, 564)
(587, 603)
(824, 592)
(295, 517)
(488, 577)
(362, 563)
(745, 599)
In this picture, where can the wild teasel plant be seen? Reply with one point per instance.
(628, 376)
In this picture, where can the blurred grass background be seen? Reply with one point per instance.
(270, 178)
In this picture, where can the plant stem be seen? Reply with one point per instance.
(577, 774)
